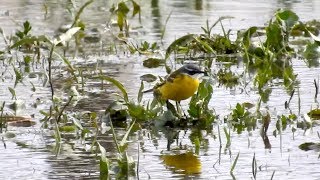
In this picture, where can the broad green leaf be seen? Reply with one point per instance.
(289, 17)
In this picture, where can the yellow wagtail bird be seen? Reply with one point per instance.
(179, 85)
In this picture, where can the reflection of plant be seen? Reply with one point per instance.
(283, 122)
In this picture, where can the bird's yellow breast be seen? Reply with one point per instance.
(182, 87)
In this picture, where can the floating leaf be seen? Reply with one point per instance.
(148, 78)
(310, 146)
(315, 113)
(153, 62)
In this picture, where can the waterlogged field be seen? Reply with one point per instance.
(73, 73)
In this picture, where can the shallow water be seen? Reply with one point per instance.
(30, 154)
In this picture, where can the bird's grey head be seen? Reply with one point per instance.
(191, 69)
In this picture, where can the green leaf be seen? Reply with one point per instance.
(274, 37)
(123, 8)
(289, 17)
(311, 52)
(27, 27)
(120, 20)
(182, 41)
(315, 113)
(118, 85)
(136, 8)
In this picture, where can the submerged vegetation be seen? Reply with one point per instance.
(264, 53)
